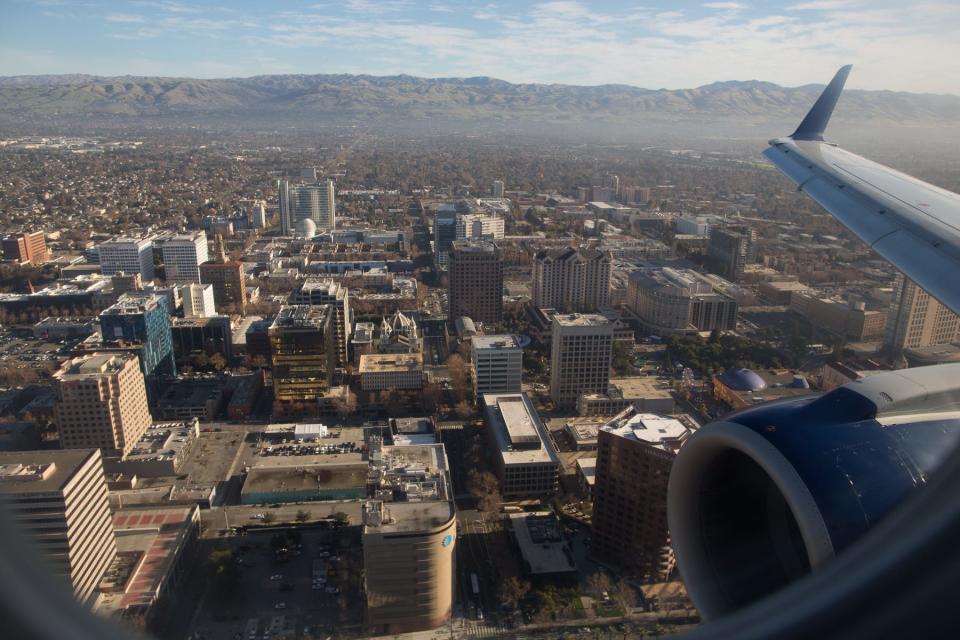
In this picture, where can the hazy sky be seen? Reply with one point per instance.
(901, 45)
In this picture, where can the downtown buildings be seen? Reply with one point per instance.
(917, 320)
(476, 282)
(581, 350)
(670, 301)
(182, 256)
(226, 276)
(571, 279)
(59, 501)
(303, 357)
(634, 454)
(127, 255)
(730, 250)
(141, 322)
(497, 362)
(101, 402)
(26, 247)
(315, 202)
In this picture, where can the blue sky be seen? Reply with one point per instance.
(911, 46)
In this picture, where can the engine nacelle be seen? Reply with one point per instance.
(760, 498)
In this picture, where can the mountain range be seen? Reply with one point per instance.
(408, 97)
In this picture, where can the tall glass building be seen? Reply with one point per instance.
(142, 320)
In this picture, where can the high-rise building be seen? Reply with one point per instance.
(476, 281)
(916, 320)
(129, 255)
(327, 291)
(525, 460)
(730, 250)
(498, 188)
(497, 364)
(571, 279)
(479, 226)
(580, 353)
(258, 214)
(101, 402)
(198, 301)
(182, 256)
(670, 301)
(444, 233)
(226, 276)
(26, 247)
(634, 454)
(58, 499)
(315, 202)
(409, 536)
(142, 320)
(303, 356)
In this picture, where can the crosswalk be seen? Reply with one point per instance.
(482, 631)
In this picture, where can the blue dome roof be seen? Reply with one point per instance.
(742, 380)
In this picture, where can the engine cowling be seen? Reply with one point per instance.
(760, 498)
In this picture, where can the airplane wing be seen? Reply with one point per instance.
(913, 224)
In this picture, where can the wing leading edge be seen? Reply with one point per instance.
(913, 224)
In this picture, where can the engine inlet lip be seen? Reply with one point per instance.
(683, 513)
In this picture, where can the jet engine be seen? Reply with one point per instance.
(765, 495)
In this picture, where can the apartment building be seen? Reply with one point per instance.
(127, 255)
(580, 353)
(476, 281)
(26, 247)
(571, 279)
(182, 256)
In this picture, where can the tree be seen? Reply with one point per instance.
(624, 595)
(269, 518)
(464, 410)
(459, 377)
(622, 358)
(302, 515)
(598, 583)
(430, 398)
(346, 404)
(512, 591)
(485, 487)
(341, 518)
(218, 362)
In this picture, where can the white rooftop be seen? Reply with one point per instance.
(504, 341)
(659, 431)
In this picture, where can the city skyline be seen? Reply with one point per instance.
(659, 45)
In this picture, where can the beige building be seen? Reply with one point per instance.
(671, 301)
(643, 393)
(389, 371)
(851, 320)
(101, 403)
(409, 539)
(59, 501)
(580, 353)
(572, 279)
(916, 319)
(497, 364)
(526, 461)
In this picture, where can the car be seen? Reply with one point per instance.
(332, 590)
(280, 605)
(276, 576)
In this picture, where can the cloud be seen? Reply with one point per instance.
(823, 5)
(125, 18)
(725, 6)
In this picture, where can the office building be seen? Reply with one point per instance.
(327, 291)
(526, 462)
(316, 202)
(634, 454)
(302, 356)
(129, 255)
(730, 250)
(409, 537)
(226, 276)
(59, 501)
(26, 248)
(444, 233)
(197, 301)
(850, 319)
(497, 364)
(498, 188)
(142, 320)
(580, 352)
(916, 320)
(479, 226)
(258, 214)
(476, 282)
(571, 279)
(101, 402)
(182, 256)
(202, 335)
(670, 301)
(391, 371)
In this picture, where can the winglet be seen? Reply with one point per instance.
(816, 121)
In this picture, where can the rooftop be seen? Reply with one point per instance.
(25, 472)
(301, 316)
(506, 341)
(520, 435)
(580, 320)
(412, 489)
(541, 543)
(93, 366)
(390, 362)
(658, 431)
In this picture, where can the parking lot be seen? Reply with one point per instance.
(305, 592)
